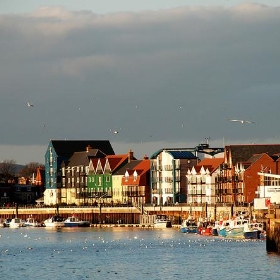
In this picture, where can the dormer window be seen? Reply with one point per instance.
(126, 175)
(135, 175)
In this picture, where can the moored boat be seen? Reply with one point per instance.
(16, 223)
(32, 222)
(254, 231)
(54, 222)
(189, 226)
(162, 221)
(74, 221)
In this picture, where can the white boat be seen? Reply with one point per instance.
(16, 223)
(254, 230)
(161, 221)
(74, 221)
(233, 228)
(31, 222)
(54, 222)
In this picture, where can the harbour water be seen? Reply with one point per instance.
(130, 253)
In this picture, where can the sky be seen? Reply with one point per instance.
(163, 74)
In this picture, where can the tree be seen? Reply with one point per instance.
(29, 169)
(8, 170)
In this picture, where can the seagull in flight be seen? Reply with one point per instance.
(241, 121)
(114, 131)
(29, 104)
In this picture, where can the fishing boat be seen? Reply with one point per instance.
(233, 228)
(32, 222)
(54, 222)
(189, 225)
(162, 221)
(16, 223)
(204, 228)
(254, 231)
(74, 221)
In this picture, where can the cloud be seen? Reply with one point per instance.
(86, 73)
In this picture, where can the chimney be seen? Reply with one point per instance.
(130, 155)
(145, 157)
(88, 148)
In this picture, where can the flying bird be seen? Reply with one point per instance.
(29, 104)
(241, 121)
(114, 131)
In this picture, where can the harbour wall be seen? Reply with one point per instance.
(126, 215)
(273, 230)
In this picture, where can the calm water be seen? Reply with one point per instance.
(130, 253)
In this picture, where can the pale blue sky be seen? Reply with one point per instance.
(162, 73)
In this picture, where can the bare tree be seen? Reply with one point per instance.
(29, 169)
(8, 170)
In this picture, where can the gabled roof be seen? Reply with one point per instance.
(140, 169)
(211, 164)
(83, 158)
(67, 147)
(116, 161)
(254, 158)
(128, 166)
(241, 153)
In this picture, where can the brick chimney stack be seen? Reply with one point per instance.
(145, 157)
(130, 155)
(88, 148)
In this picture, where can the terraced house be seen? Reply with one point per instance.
(65, 168)
(100, 176)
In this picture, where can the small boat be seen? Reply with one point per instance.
(233, 228)
(16, 223)
(253, 231)
(54, 222)
(189, 226)
(204, 228)
(31, 222)
(74, 221)
(162, 221)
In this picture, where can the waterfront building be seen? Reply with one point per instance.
(238, 177)
(120, 195)
(59, 152)
(168, 175)
(201, 181)
(136, 184)
(100, 176)
(269, 188)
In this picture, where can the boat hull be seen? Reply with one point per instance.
(254, 234)
(77, 224)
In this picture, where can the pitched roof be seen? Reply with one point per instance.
(209, 163)
(241, 153)
(68, 147)
(116, 160)
(128, 166)
(83, 158)
(140, 169)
